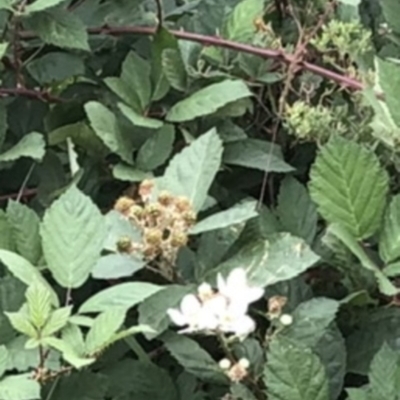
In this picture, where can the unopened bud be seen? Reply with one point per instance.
(189, 217)
(136, 212)
(286, 319)
(165, 198)
(244, 363)
(154, 209)
(225, 364)
(124, 244)
(145, 188)
(153, 236)
(205, 291)
(178, 239)
(182, 204)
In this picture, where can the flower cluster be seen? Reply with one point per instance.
(222, 310)
(164, 222)
(237, 371)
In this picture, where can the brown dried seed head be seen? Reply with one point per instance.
(123, 204)
(275, 305)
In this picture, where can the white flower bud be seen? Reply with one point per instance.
(225, 364)
(244, 363)
(286, 319)
(205, 291)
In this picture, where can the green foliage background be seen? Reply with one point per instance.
(278, 120)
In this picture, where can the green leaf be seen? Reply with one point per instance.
(31, 145)
(388, 75)
(240, 25)
(124, 295)
(391, 9)
(73, 233)
(296, 212)
(25, 272)
(174, 69)
(105, 125)
(55, 67)
(4, 357)
(191, 172)
(39, 304)
(6, 238)
(256, 154)
(193, 358)
(115, 266)
(344, 193)
(7, 4)
(389, 239)
(208, 100)
(138, 119)
(21, 323)
(240, 212)
(271, 261)
(25, 231)
(384, 372)
(41, 5)
(103, 329)
(3, 122)
(156, 149)
(311, 319)
(3, 51)
(19, 387)
(345, 236)
(153, 310)
(294, 373)
(363, 343)
(133, 379)
(127, 173)
(59, 28)
(58, 319)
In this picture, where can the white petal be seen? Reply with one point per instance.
(177, 317)
(217, 305)
(221, 284)
(237, 279)
(190, 305)
(243, 326)
(254, 293)
(237, 308)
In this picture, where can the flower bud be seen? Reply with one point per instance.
(182, 203)
(154, 209)
(145, 188)
(153, 236)
(286, 319)
(124, 244)
(189, 217)
(205, 291)
(244, 363)
(165, 198)
(178, 239)
(136, 212)
(225, 364)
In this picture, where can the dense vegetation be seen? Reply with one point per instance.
(198, 199)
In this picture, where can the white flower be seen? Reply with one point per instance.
(244, 363)
(286, 319)
(237, 289)
(193, 314)
(205, 291)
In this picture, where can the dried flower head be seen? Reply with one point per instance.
(275, 306)
(239, 370)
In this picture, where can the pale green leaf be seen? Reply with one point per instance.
(124, 295)
(123, 91)
(25, 272)
(39, 304)
(239, 213)
(153, 310)
(389, 239)
(4, 359)
(3, 51)
(388, 75)
(383, 375)
(156, 149)
(391, 11)
(294, 373)
(6, 237)
(256, 154)
(25, 231)
(208, 100)
(193, 358)
(19, 387)
(105, 125)
(103, 329)
(41, 5)
(59, 28)
(357, 394)
(392, 270)
(21, 323)
(7, 4)
(271, 261)
(191, 172)
(239, 25)
(58, 319)
(31, 145)
(138, 119)
(127, 173)
(297, 213)
(174, 69)
(73, 233)
(342, 190)
(348, 239)
(73, 336)
(115, 266)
